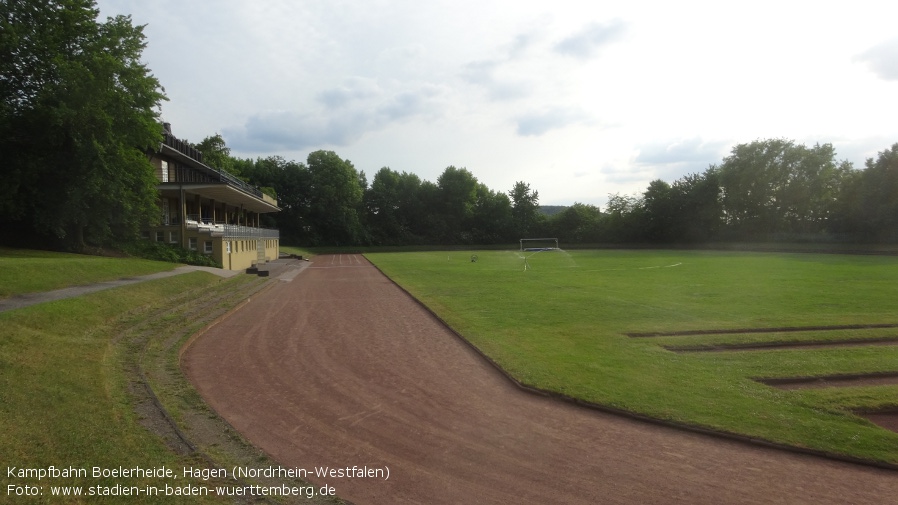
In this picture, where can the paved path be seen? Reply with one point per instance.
(341, 368)
(20, 301)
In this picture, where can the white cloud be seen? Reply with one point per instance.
(691, 151)
(588, 41)
(538, 123)
(352, 90)
(347, 113)
(882, 59)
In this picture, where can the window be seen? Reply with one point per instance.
(164, 171)
(160, 236)
(191, 243)
(207, 246)
(166, 213)
(173, 237)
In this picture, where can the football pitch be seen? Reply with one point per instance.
(795, 349)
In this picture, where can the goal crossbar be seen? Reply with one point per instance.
(551, 240)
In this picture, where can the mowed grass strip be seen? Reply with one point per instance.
(27, 271)
(559, 323)
(63, 394)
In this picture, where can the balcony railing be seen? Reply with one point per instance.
(228, 231)
(239, 231)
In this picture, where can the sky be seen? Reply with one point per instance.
(579, 99)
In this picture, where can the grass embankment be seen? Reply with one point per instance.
(561, 326)
(71, 385)
(27, 271)
(300, 251)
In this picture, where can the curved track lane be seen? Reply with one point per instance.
(340, 367)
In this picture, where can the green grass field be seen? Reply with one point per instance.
(27, 271)
(562, 326)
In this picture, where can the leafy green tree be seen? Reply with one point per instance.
(395, 208)
(525, 209)
(335, 200)
(699, 209)
(624, 219)
(217, 154)
(778, 187)
(870, 198)
(579, 223)
(492, 217)
(661, 212)
(457, 199)
(291, 182)
(686, 211)
(77, 111)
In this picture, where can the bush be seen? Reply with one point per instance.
(160, 251)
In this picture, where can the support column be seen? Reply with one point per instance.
(182, 204)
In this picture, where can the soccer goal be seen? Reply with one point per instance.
(539, 244)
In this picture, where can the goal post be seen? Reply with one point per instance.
(539, 244)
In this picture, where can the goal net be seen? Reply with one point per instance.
(539, 244)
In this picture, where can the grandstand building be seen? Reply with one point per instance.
(209, 210)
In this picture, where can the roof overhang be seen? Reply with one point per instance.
(222, 192)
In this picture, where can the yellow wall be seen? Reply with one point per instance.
(243, 252)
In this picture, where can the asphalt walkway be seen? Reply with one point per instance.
(286, 268)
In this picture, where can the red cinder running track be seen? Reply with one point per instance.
(339, 368)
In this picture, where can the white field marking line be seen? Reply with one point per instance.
(637, 268)
(660, 266)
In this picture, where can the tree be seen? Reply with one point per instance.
(579, 223)
(525, 209)
(78, 110)
(778, 187)
(335, 200)
(870, 199)
(661, 204)
(699, 210)
(395, 208)
(686, 211)
(291, 182)
(457, 198)
(217, 154)
(382, 203)
(492, 217)
(624, 218)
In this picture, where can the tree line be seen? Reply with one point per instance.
(327, 201)
(765, 190)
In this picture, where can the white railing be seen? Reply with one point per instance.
(220, 229)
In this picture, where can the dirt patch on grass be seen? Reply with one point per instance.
(832, 381)
(761, 346)
(736, 331)
(887, 419)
